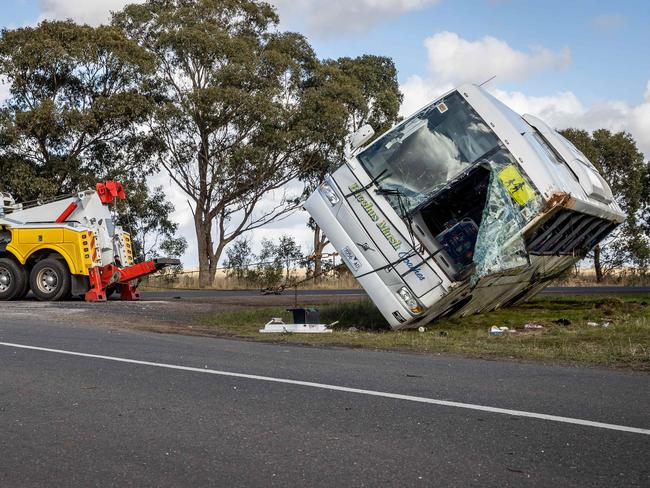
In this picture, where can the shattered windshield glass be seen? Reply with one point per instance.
(422, 154)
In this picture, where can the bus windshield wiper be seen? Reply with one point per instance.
(406, 216)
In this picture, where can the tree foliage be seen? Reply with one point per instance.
(74, 107)
(239, 258)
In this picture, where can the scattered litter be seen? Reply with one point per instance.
(563, 322)
(498, 331)
(443, 333)
(421, 329)
(533, 326)
(604, 325)
(352, 329)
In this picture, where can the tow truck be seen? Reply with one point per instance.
(69, 246)
(464, 207)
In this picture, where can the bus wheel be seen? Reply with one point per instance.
(13, 278)
(50, 280)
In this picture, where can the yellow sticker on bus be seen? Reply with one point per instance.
(519, 189)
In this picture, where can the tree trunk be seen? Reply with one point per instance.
(216, 256)
(320, 242)
(202, 216)
(597, 265)
(207, 267)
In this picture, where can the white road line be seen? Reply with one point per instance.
(396, 396)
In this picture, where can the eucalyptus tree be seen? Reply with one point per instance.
(74, 107)
(232, 126)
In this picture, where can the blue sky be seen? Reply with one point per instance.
(573, 63)
(609, 41)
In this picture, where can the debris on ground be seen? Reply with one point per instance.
(499, 331)
(563, 322)
(421, 329)
(277, 326)
(604, 325)
(272, 291)
(533, 326)
(443, 333)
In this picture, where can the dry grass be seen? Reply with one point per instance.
(190, 280)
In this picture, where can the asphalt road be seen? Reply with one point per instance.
(365, 419)
(167, 294)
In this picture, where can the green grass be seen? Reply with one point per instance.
(625, 343)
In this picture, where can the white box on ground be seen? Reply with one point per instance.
(277, 326)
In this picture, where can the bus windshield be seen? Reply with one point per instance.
(418, 157)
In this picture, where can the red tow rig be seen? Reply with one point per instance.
(110, 275)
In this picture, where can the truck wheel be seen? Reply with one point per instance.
(50, 280)
(13, 278)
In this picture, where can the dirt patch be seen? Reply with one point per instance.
(165, 316)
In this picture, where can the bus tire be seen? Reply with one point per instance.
(50, 280)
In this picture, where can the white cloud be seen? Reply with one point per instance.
(93, 12)
(458, 60)
(329, 17)
(320, 17)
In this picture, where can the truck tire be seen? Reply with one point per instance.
(50, 280)
(23, 293)
(13, 279)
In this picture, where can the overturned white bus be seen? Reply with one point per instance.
(462, 208)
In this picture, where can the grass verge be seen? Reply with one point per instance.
(625, 343)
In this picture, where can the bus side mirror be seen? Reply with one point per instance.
(360, 137)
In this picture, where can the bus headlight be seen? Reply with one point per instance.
(410, 301)
(329, 193)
